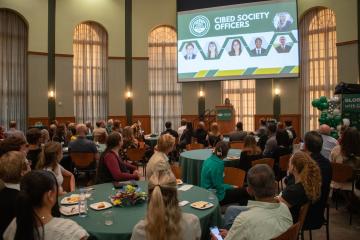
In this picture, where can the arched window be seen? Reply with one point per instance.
(90, 72)
(165, 92)
(13, 68)
(318, 62)
(242, 96)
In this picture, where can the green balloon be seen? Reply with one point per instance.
(324, 105)
(337, 119)
(315, 102)
(323, 99)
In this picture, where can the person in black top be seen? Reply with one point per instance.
(60, 135)
(239, 134)
(263, 137)
(313, 145)
(33, 136)
(13, 166)
(200, 134)
(214, 135)
(187, 135)
(307, 185)
(170, 131)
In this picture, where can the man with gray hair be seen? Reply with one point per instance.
(264, 218)
(81, 144)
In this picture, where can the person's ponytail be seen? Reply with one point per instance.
(156, 216)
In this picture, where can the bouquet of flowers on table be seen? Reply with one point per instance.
(129, 195)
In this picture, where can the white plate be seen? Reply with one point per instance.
(105, 204)
(201, 205)
(69, 210)
(72, 199)
(179, 182)
(233, 158)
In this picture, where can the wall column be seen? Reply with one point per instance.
(51, 61)
(128, 61)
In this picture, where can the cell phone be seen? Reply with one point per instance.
(215, 231)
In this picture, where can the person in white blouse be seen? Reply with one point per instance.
(34, 220)
(49, 161)
(164, 219)
(159, 160)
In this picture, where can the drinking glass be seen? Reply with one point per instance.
(212, 194)
(82, 203)
(108, 218)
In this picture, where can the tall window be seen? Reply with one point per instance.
(242, 96)
(90, 72)
(165, 92)
(318, 63)
(13, 69)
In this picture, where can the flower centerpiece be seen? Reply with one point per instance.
(129, 195)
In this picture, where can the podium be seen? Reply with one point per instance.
(225, 117)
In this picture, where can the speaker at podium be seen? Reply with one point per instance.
(225, 117)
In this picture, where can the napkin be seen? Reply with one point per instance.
(185, 187)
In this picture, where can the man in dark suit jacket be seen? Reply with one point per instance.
(238, 134)
(170, 131)
(258, 50)
(189, 51)
(283, 47)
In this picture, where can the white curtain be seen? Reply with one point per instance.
(318, 62)
(165, 92)
(13, 69)
(90, 72)
(242, 96)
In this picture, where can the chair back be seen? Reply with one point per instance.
(237, 145)
(234, 176)
(268, 161)
(68, 184)
(291, 234)
(302, 213)
(342, 172)
(284, 162)
(176, 171)
(135, 154)
(82, 160)
(141, 144)
(194, 146)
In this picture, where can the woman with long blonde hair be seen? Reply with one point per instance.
(164, 219)
(307, 185)
(214, 135)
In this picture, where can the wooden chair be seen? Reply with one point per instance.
(302, 213)
(237, 145)
(342, 173)
(194, 146)
(68, 184)
(176, 170)
(283, 166)
(136, 156)
(291, 234)
(83, 162)
(234, 176)
(268, 161)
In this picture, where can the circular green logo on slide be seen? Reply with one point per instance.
(199, 26)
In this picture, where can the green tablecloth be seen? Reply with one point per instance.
(191, 163)
(126, 218)
(151, 141)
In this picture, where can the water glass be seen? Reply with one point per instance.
(108, 218)
(212, 194)
(82, 203)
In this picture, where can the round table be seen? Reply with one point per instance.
(191, 163)
(151, 141)
(126, 218)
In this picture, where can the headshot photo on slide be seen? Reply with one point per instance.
(189, 51)
(282, 45)
(234, 47)
(282, 21)
(212, 50)
(258, 47)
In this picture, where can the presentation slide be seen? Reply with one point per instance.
(244, 41)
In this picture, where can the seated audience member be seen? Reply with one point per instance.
(71, 132)
(34, 205)
(212, 176)
(250, 153)
(13, 131)
(307, 185)
(109, 125)
(138, 133)
(81, 144)
(50, 161)
(2, 133)
(200, 134)
(170, 131)
(111, 166)
(263, 137)
(264, 218)
(164, 218)
(52, 130)
(116, 126)
(100, 129)
(45, 137)
(186, 136)
(13, 166)
(271, 143)
(61, 135)
(262, 125)
(33, 136)
(89, 127)
(239, 134)
(289, 127)
(313, 145)
(159, 160)
(328, 141)
(282, 148)
(182, 127)
(129, 138)
(13, 143)
(348, 152)
(214, 135)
